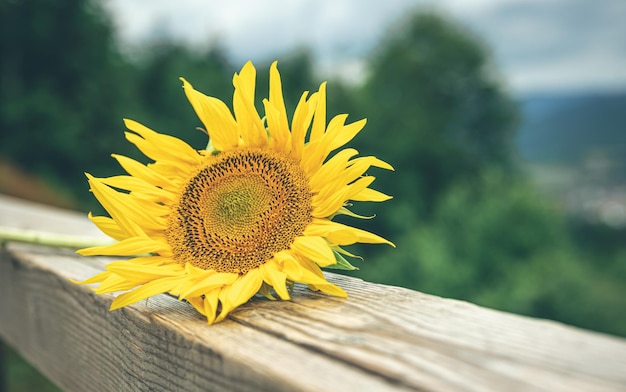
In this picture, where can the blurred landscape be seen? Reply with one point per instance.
(574, 146)
(515, 202)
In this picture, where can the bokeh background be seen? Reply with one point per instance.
(505, 121)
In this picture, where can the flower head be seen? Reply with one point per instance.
(250, 214)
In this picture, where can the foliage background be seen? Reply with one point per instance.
(467, 220)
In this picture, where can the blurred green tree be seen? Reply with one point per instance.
(467, 222)
(64, 85)
(435, 108)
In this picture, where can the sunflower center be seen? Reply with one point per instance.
(239, 210)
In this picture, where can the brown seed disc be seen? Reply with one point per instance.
(239, 210)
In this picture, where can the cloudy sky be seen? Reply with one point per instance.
(538, 45)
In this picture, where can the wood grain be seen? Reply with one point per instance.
(380, 338)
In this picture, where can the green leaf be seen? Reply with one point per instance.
(345, 211)
(342, 263)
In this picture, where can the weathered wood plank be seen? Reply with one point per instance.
(380, 338)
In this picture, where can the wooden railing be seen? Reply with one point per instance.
(380, 338)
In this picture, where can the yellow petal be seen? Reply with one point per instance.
(311, 157)
(275, 278)
(326, 206)
(130, 270)
(330, 289)
(337, 134)
(360, 165)
(314, 248)
(369, 194)
(342, 237)
(294, 269)
(152, 260)
(336, 164)
(332, 195)
(277, 123)
(301, 121)
(216, 117)
(138, 186)
(129, 247)
(116, 206)
(244, 288)
(317, 150)
(115, 283)
(355, 169)
(298, 273)
(149, 289)
(198, 304)
(280, 137)
(128, 209)
(250, 125)
(158, 146)
(359, 185)
(211, 281)
(210, 305)
(342, 135)
(310, 267)
(319, 121)
(337, 233)
(98, 278)
(108, 226)
(139, 170)
(176, 172)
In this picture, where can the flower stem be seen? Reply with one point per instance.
(51, 239)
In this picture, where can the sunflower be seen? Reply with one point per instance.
(250, 214)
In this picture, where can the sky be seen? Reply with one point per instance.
(537, 45)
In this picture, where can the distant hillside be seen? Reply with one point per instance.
(574, 147)
(565, 129)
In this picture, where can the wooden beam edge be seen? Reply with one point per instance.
(382, 337)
